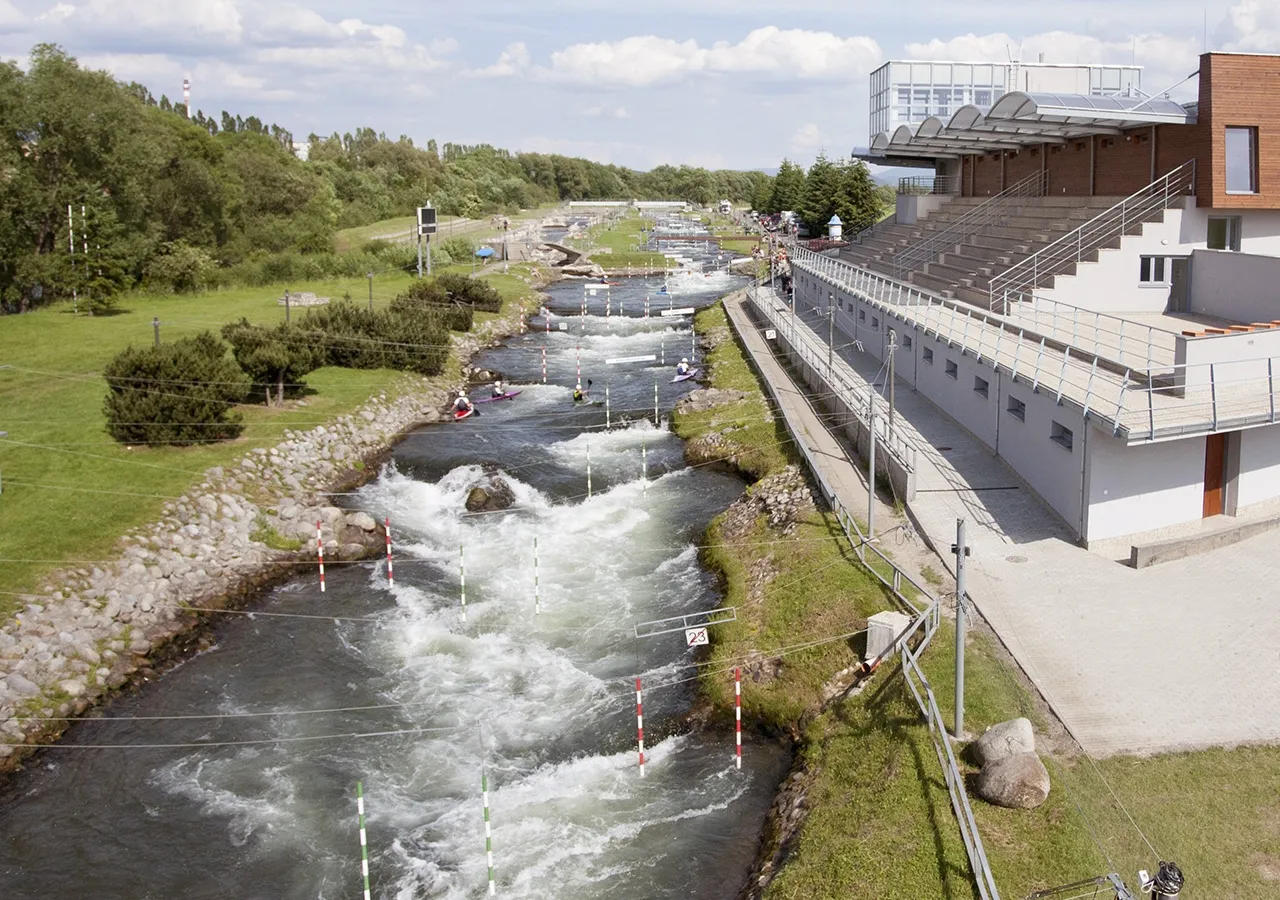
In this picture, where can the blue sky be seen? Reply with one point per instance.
(720, 83)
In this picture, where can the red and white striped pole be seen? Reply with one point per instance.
(391, 575)
(320, 551)
(544, 365)
(579, 365)
(640, 725)
(737, 712)
(522, 321)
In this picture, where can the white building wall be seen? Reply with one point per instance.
(1244, 287)
(1052, 471)
(1111, 284)
(1144, 486)
(1259, 465)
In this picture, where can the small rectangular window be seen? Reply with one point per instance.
(906, 342)
(1242, 160)
(862, 315)
(980, 386)
(875, 323)
(1061, 436)
(952, 369)
(1017, 409)
(1153, 270)
(928, 355)
(1223, 233)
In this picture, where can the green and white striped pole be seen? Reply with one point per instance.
(462, 575)
(537, 597)
(488, 832)
(364, 844)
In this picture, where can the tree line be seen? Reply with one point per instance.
(841, 188)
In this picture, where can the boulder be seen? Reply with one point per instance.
(1019, 781)
(362, 520)
(708, 398)
(1006, 739)
(21, 686)
(492, 495)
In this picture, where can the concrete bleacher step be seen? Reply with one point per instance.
(956, 275)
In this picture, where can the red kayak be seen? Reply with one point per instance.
(507, 396)
(461, 414)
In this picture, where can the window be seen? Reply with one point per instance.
(875, 323)
(906, 343)
(1224, 233)
(1242, 160)
(952, 369)
(1017, 409)
(1153, 270)
(1061, 436)
(980, 386)
(862, 315)
(928, 356)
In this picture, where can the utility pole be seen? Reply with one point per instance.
(831, 332)
(419, 253)
(370, 292)
(286, 306)
(871, 471)
(428, 254)
(961, 550)
(155, 323)
(893, 346)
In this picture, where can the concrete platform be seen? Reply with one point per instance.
(1173, 657)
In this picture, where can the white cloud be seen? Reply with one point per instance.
(646, 60)
(514, 60)
(1165, 59)
(1253, 26)
(808, 139)
(606, 112)
(10, 16)
(210, 19)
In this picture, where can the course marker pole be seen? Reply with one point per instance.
(579, 359)
(640, 725)
(537, 597)
(656, 420)
(544, 365)
(644, 468)
(606, 405)
(488, 833)
(320, 553)
(462, 576)
(391, 575)
(737, 712)
(588, 470)
(364, 844)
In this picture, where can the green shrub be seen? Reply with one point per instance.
(180, 269)
(431, 296)
(477, 293)
(175, 393)
(273, 356)
(408, 339)
(459, 248)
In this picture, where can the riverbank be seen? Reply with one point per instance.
(101, 624)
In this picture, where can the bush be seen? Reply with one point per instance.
(477, 293)
(273, 356)
(180, 269)
(412, 339)
(459, 248)
(175, 393)
(433, 298)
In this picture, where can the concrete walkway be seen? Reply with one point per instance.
(1178, 656)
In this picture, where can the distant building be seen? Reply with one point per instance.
(726, 207)
(301, 149)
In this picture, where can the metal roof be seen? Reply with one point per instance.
(1019, 119)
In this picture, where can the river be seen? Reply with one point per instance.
(541, 701)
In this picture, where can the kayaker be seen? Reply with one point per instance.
(683, 368)
(462, 404)
(498, 389)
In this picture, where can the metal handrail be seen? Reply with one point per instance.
(980, 217)
(1154, 402)
(929, 184)
(1070, 249)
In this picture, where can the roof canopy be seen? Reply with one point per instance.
(1019, 119)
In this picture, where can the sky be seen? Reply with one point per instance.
(734, 84)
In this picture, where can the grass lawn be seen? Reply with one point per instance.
(740, 246)
(880, 823)
(52, 399)
(618, 242)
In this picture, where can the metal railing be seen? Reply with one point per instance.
(1125, 341)
(982, 216)
(844, 385)
(929, 184)
(1101, 232)
(926, 618)
(870, 231)
(1141, 403)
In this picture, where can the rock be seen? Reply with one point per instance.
(208, 505)
(362, 520)
(708, 398)
(1006, 739)
(72, 687)
(1016, 782)
(21, 686)
(492, 495)
(350, 551)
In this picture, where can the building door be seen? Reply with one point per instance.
(1215, 456)
(1179, 284)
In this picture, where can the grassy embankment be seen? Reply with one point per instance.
(614, 246)
(880, 822)
(74, 493)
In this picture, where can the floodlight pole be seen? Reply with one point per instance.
(961, 551)
(370, 292)
(419, 251)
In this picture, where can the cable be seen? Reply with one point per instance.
(195, 744)
(250, 715)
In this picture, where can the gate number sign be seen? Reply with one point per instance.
(696, 637)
